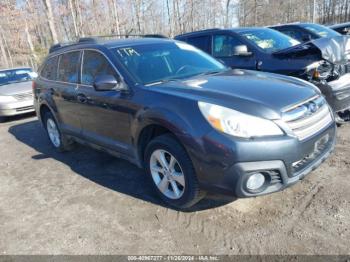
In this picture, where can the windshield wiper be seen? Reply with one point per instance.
(167, 80)
(162, 81)
(213, 72)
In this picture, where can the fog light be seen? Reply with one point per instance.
(255, 181)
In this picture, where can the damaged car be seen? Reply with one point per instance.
(323, 62)
(304, 32)
(343, 28)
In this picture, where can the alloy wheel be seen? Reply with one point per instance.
(167, 174)
(53, 132)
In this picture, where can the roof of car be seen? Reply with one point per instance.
(111, 43)
(235, 29)
(294, 23)
(340, 25)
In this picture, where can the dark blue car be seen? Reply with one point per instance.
(193, 124)
(322, 62)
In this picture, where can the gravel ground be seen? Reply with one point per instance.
(87, 202)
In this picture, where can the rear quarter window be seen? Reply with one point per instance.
(49, 70)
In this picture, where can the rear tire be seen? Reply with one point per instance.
(58, 140)
(172, 173)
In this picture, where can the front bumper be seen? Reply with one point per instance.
(17, 108)
(337, 92)
(278, 158)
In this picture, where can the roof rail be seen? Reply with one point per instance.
(55, 47)
(88, 40)
(201, 31)
(95, 39)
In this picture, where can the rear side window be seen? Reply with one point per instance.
(224, 44)
(68, 67)
(201, 42)
(95, 64)
(50, 69)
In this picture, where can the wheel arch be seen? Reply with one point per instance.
(43, 108)
(153, 123)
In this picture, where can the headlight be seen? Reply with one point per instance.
(238, 124)
(7, 99)
(321, 70)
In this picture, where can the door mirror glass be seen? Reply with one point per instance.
(105, 83)
(241, 50)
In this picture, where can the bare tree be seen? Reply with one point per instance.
(51, 20)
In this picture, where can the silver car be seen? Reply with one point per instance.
(16, 95)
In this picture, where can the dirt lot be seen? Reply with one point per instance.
(86, 202)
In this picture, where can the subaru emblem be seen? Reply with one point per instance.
(312, 108)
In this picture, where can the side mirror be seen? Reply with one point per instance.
(105, 83)
(241, 50)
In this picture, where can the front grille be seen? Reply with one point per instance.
(308, 118)
(23, 96)
(25, 108)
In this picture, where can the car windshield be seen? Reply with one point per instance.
(321, 30)
(153, 63)
(16, 75)
(269, 40)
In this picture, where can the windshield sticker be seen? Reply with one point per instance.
(128, 51)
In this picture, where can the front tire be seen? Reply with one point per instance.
(172, 173)
(59, 141)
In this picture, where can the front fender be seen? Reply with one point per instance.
(184, 131)
(181, 128)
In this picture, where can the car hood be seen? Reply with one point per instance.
(335, 49)
(16, 88)
(252, 92)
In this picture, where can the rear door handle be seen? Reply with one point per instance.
(82, 98)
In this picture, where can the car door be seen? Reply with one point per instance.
(223, 49)
(63, 92)
(104, 114)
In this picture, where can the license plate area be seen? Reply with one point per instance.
(319, 147)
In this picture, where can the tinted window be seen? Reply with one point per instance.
(167, 61)
(50, 69)
(224, 44)
(95, 64)
(68, 67)
(296, 34)
(202, 42)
